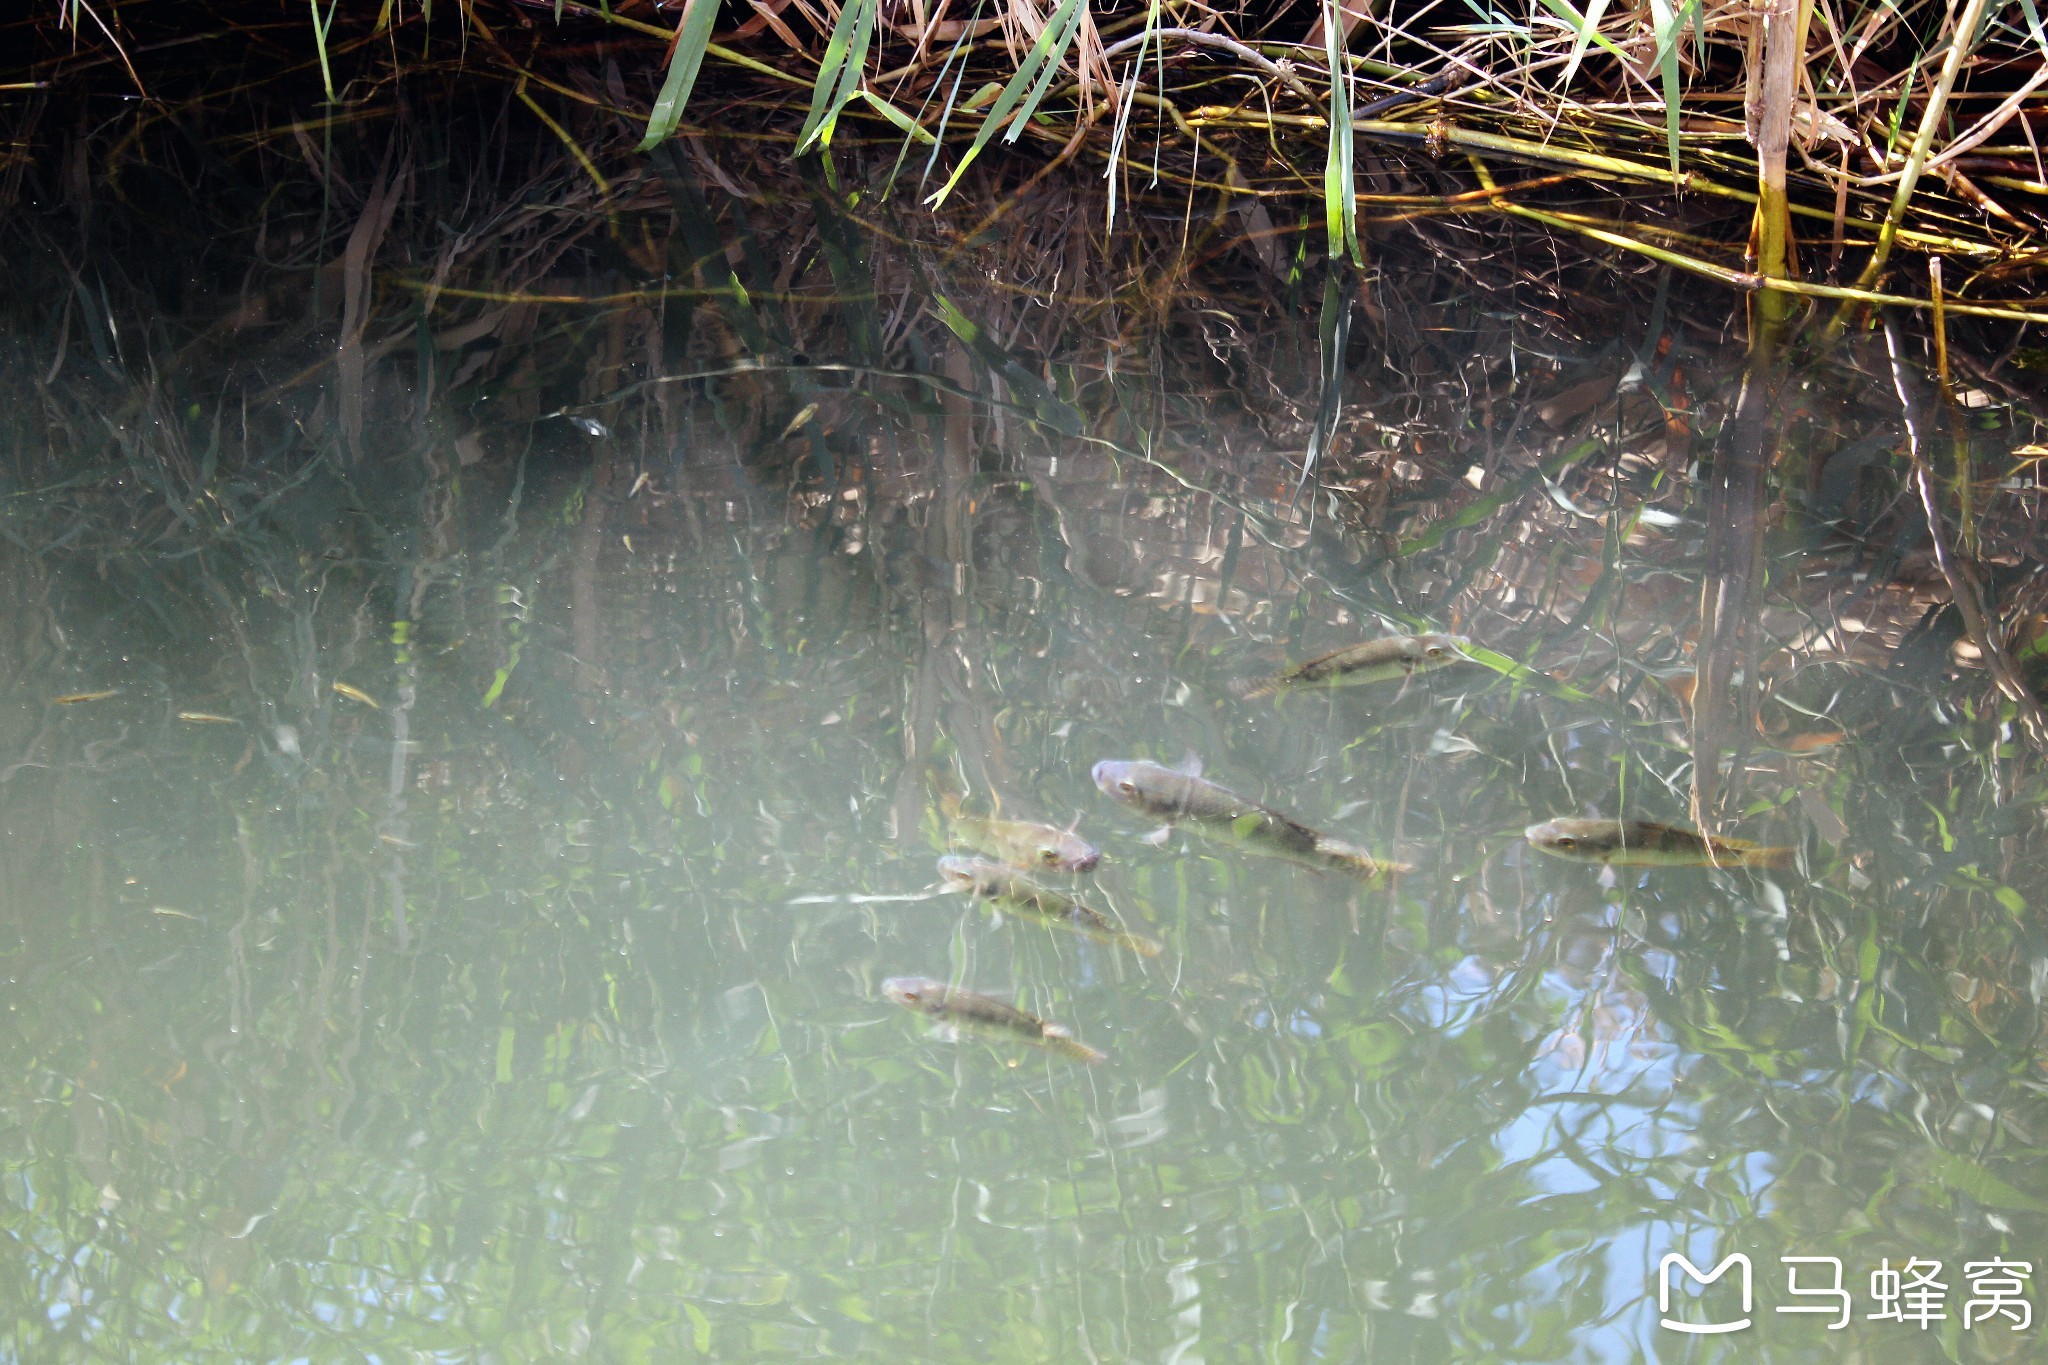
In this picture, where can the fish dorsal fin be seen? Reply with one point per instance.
(1190, 764)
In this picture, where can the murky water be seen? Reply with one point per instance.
(457, 932)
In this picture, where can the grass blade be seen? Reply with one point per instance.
(320, 29)
(2034, 26)
(1961, 42)
(693, 35)
(952, 94)
(1585, 27)
(904, 123)
(1667, 24)
(1334, 337)
(1126, 103)
(1045, 56)
(1340, 201)
(846, 52)
(1032, 392)
(1588, 26)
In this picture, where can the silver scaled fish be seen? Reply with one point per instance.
(1645, 843)
(1180, 796)
(966, 1009)
(1025, 843)
(1396, 657)
(1016, 893)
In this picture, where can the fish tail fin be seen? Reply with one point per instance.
(1252, 689)
(1779, 858)
(1348, 858)
(1067, 1045)
(1139, 944)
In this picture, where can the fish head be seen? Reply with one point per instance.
(1441, 649)
(1066, 851)
(1566, 839)
(1118, 779)
(1146, 786)
(915, 992)
(960, 874)
(1136, 781)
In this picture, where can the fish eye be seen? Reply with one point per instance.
(1127, 787)
(1436, 651)
(1566, 841)
(1048, 855)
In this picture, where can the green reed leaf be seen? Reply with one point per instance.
(846, 53)
(693, 35)
(1045, 57)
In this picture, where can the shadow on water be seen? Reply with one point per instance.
(483, 672)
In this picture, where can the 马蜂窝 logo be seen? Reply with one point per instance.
(1702, 1278)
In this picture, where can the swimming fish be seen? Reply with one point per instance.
(1025, 843)
(1383, 660)
(1181, 796)
(354, 693)
(1645, 843)
(966, 1009)
(1017, 894)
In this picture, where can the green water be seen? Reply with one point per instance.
(530, 1008)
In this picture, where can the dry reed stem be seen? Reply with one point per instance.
(1923, 141)
(1749, 280)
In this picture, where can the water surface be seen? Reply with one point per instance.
(459, 932)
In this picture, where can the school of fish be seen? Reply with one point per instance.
(1017, 855)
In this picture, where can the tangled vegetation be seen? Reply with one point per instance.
(1845, 132)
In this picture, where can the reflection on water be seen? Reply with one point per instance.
(448, 888)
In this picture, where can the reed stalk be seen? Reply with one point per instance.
(1784, 43)
(1961, 40)
(1750, 280)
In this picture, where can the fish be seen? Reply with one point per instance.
(354, 693)
(1017, 894)
(1182, 796)
(74, 698)
(966, 1009)
(1025, 843)
(1383, 660)
(1645, 843)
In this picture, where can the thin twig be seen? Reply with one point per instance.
(1216, 40)
(1923, 141)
